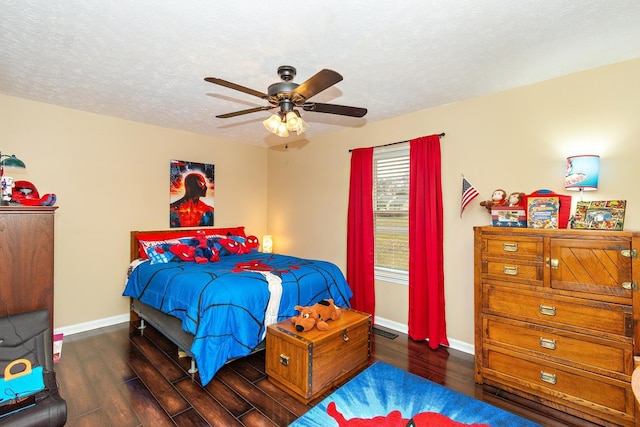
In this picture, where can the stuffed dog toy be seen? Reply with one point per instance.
(315, 315)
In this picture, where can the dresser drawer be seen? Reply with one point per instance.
(520, 247)
(600, 396)
(578, 350)
(521, 271)
(581, 315)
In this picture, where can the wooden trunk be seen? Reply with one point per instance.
(307, 364)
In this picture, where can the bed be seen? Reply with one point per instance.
(213, 294)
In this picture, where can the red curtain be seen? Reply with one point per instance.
(360, 237)
(426, 267)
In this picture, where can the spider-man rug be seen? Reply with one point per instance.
(385, 396)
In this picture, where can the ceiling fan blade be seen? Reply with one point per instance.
(343, 110)
(236, 87)
(320, 81)
(248, 111)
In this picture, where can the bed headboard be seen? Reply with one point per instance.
(135, 249)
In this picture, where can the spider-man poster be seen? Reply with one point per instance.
(191, 190)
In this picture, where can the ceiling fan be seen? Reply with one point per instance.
(287, 96)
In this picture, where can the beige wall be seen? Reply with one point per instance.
(111, 176)
(517, 140)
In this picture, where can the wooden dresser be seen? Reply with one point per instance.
(555, 318)
(26, 259)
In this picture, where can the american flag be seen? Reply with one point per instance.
(469, 193)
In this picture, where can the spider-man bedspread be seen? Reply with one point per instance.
(227, 305)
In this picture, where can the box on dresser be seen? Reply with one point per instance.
(505, 216)
(306, 364)
(555, 316)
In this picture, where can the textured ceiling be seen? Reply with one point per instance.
(146, 60)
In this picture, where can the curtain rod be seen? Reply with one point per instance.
(399, 142)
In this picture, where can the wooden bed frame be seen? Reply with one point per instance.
(167, 325)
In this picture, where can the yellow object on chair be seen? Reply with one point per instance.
(22, 383)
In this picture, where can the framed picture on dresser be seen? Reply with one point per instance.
(600, 215)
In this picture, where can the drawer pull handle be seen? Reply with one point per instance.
(510, 247)
(548, 378)
(547, 310)
(284, 360)
(630, 253)
(345, 338)
(553, 263)
(547, 343)
(510, 270)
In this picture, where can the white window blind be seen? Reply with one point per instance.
(391, 213)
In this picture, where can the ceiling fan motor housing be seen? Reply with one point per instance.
(286, 72)
(284, 91)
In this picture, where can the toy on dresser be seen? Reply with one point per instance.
(497, 199)
(515, 199)
(506, 209)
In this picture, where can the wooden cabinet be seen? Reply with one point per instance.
(26, 259)
(555, 318)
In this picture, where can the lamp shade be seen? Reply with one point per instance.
(267, 244)
(272, 123)
(582, 173)
(12, 162)
(282, 130)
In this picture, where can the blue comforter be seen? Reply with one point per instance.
(226, 305)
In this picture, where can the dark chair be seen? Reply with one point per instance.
(28, 336)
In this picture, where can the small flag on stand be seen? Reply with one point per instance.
(469, 193)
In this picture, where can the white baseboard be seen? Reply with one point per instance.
(399, 327)
(122, 318)
(94, 324)
(391, 325)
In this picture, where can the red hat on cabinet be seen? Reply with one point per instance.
(25, 193)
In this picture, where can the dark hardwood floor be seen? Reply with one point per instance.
(110, 377)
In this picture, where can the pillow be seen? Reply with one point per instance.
(183, 251)
(252, 243)
(154, 238)
(157, 251)
(232, 245)
(188, 249)
(236, 245)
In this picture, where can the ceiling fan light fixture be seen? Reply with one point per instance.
(282, 130)
(272, 123)
(281, 124)
(295, 122)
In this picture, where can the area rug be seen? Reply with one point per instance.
(383, 395)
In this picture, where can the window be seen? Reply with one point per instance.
(391, 214)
